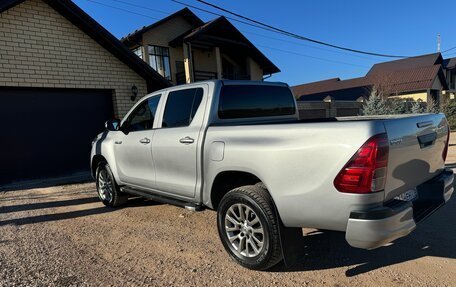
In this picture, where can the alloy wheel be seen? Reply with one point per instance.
(244, 230)
(105, 186)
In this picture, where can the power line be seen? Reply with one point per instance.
(264, 28)
(311, 57)
(220, 15)
(264, 46)
(236, 20)
(447, 50)
(124, 10)
(451, 54)
(308, 46)
(142, 7)
(284, 32)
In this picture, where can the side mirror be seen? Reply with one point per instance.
(112, 125)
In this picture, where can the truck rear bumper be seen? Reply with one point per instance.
(375, 228)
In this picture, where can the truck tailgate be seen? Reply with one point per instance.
(416, 147)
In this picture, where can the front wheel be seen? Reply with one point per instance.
(248, 227)
(107, 188)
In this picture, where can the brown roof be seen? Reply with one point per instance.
(134, 37)
(407, 63)
(415, 79)
(329, 85)
(449, 63)
(314, 87)
(400, 76)
(220, 32)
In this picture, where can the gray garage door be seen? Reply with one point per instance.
(48, 132)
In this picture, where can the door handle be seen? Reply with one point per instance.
(118, 142)
(144, 141)
(187, 140)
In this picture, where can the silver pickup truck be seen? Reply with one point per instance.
(238, 147)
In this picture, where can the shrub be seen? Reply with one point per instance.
(375, 104)
(417, 107)
(448, 107)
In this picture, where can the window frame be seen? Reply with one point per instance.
(163, 57)
(141, 56)
(191, 115)
(225, 119)
(128, 117)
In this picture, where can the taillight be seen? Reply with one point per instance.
(365, 172)
(445, 148)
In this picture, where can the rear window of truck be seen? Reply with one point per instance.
(251, 101)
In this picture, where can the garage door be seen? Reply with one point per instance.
(48, 132)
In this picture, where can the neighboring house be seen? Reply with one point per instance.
(62, 76)
(419, 78)
(449, 66)
(184, 49)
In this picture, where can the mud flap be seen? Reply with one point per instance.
(291, 242)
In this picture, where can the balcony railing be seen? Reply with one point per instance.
(205, 75)
(235, 76)
(199, 76)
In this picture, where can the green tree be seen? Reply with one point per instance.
(417, 107)
(375, 104)
(432, 106)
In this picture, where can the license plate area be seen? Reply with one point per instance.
(409, 195)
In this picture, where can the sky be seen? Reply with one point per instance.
(404, 27)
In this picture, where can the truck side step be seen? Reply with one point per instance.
(163, 199)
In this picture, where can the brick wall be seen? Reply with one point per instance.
(40, 48)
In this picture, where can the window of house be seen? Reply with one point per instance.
(142, 118)
(159, 60)
(249, 101)
(181, 107)
(138, 52)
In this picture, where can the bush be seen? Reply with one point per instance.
(417, 107)
(449, 109)
(375, 104)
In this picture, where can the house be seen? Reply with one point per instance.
(419, 78)
(62, 75)
(449, 66)
(184, 49)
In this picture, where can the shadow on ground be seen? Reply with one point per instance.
(133, 202)
(325, 249)
(83, 177)
(318, 250)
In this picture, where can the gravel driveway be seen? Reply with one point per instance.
(62, 236)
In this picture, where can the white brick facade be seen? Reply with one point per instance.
(40, 48)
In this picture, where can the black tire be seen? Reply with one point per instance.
(116, 198)
(260, 202)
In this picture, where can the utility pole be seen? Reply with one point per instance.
(438, 42)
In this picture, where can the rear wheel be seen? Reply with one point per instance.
(107, 188)
(248, 227)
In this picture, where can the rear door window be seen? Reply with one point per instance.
(181, 107)
(250, 101)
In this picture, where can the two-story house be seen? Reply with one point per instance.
(184, 49)
(419, 78)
